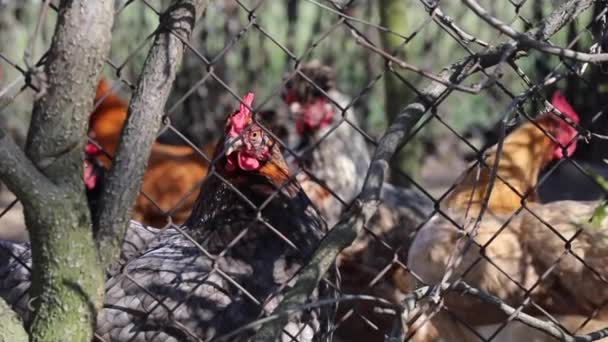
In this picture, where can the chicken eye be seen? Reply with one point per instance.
(256, 137)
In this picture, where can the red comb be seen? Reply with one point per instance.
(560, 102)
(248, 100)
(241, 118)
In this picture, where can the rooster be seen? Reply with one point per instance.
(499, 261)
(336, 158)
(172, 178)
(233, 267)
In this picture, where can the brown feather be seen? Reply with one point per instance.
(173, 174)
(525, 153)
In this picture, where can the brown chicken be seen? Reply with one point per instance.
(509, 254)
(173, 175)
(526, 151)
(233, 271)
(336, 157)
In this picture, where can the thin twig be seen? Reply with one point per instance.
(395, 308)
(440, 17)
(463, 288)
(458, 254)
(402, 64)
(533, 43)
(547, 327)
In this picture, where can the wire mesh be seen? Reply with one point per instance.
(488, 273)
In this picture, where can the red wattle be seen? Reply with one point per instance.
(247, 162)
(90, 178)
(316, 115)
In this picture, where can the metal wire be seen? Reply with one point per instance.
(211, 74)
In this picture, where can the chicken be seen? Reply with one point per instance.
(16, 262)
(526, 151)
(172, 178)
(336, 158)
(331, 149)
(576, 247)
(499, 261)
(233, 267)
(553, 251)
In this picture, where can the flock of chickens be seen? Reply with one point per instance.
(251, 220)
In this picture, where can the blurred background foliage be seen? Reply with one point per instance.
(247, 51)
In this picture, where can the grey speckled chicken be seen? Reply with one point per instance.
(235, 264)
(336, 154)
(331, 149)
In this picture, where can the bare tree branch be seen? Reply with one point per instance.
(19, 174)
(526, 41)
(448, 22)
(143, 121)
(410, 302)
(545, 326)
(365, 206)
(404, 65)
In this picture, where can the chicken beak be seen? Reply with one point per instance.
(233, 145)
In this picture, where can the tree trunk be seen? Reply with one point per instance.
(68, 280)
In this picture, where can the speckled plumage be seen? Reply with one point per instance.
(203, 296)
(339, 159)
(200, 292)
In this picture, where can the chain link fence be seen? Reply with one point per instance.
(509, 250)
